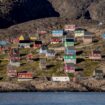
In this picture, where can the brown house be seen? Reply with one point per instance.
(95, 55)
(87, 38)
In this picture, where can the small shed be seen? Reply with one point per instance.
(14, 61)
(95, 55)
(60, 79)
(98, 74)
(88, 38)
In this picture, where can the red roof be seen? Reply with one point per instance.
(55, 40)
(27, 75)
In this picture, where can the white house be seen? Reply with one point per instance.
(60, 79)
(69, 27)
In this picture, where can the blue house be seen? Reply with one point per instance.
(57, 33)
(3, 43)
(70, 51)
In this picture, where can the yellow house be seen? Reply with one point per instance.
(33, 37)
(24, 37)
(21, 38)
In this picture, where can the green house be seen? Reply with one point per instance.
(69, 57)
(69, 42)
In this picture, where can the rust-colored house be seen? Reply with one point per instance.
(25, 76)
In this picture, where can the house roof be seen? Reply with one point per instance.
(70, 40)
(99, 71)
(38, 42)
(25, 41)
(80, 29)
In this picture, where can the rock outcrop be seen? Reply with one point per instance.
(97, 10)
(45, 86)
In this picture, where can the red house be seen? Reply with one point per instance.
(70, 68)
(37, 44)
(55, 40)
(25, 76)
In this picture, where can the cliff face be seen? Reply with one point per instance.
(17, 11)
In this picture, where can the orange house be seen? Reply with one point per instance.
(25, 76)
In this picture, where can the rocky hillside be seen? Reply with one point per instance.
(18, 11)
